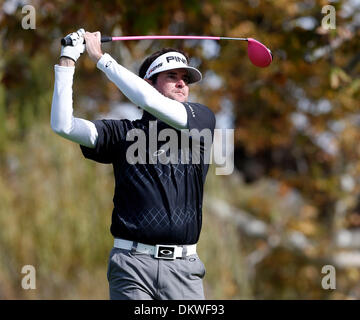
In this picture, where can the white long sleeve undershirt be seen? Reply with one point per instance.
(137, 90)
(62, 120)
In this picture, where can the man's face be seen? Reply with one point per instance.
(173, 84)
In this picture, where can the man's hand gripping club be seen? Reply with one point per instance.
(73, 51)
(93, 45)
(81, 39)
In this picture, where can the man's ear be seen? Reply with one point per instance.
(149, 81)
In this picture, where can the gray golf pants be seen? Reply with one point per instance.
(139, 276)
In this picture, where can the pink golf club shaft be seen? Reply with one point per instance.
(105, 39)
(67, 41)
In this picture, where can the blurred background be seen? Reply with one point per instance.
(291, 205)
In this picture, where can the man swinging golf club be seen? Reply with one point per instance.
(157, 215)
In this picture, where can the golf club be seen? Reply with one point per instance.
(258, 54)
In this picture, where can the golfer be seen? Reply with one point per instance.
(157, 215)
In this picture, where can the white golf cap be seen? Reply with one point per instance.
(173, 60)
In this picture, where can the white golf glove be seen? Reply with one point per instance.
(74, 51)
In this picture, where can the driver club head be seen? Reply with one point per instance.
(258, 54)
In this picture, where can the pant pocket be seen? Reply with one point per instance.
(195, 268)
(114, 261)
(202, 267)
(109, 265)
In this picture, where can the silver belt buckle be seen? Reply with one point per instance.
(166, 252)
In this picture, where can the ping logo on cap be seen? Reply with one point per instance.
(177, 59)
(172, 60)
